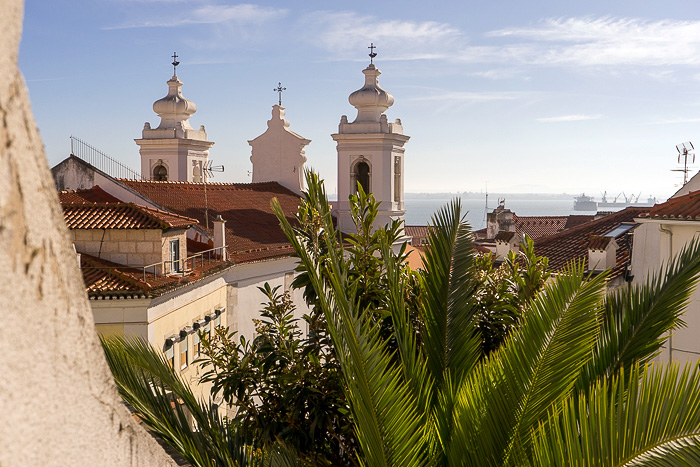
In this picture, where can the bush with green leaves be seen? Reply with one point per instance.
(570, 384)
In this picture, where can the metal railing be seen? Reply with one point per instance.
(100, 160)
(180, 266)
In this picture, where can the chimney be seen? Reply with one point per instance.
(602, 253)
(220, 235)
(500, 219)
(506, 242)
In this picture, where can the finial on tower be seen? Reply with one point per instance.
(279, 90)
(372, 53)
(175, 63)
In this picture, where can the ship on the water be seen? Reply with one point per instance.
(587, 203)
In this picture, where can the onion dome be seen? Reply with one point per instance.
(173, 108)
(371, 101)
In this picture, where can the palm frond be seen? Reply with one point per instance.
(637, 317)
(449, 338)
(386, 419)
(649, 416)
(165, 403)
(536, 366)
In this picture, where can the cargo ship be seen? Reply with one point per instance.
(587, 203)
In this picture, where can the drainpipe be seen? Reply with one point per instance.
(670, 256)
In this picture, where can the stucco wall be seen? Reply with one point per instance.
(654, 243)
(58, 401)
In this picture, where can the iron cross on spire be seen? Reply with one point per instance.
(175, 63)
(372, 53)
(279, 90)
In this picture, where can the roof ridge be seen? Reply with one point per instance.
(587, 225)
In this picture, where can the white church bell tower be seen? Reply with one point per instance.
(174, 150)
(371, 153)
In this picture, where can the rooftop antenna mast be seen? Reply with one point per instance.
(208, 171)
(685, 150)
(486, 206)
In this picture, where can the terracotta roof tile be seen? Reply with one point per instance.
(252, 230)
(121, 216)
(572, 244)
(104, 278)
(93, 195)
(504, 236)
(576, 220)
(598, 242)
(539, 226)
(686, 207)
(416, 230)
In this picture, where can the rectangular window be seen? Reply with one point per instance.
(175, 255)
(217, 321)
(170, 356)
(196, 345)
(183, 353)
(207, 329)
(397, 179)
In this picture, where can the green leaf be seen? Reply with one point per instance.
(649, 416)
(638, 317)
(536, 367)
(451, 344)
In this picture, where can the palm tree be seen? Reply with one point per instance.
(572, 385)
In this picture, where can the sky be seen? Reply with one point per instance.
(509, 96)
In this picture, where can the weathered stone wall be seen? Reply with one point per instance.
(132, 247)
(58, 401)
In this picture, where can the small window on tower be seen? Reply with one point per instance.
(362, 176)
(160, 173)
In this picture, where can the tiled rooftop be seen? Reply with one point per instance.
(416, 230)
(504, 236)
(121, 216)
(686, 207)
(107, 279)
(598, 242)
(93, 195)
(252, 231)
(541, 226)
(573, 244)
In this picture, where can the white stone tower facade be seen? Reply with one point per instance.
(371, 152)
(278, 154)
(174, 150)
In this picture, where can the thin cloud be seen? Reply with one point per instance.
(675, 121)
(467, 97)
(339, 33)
(569, 118)
(607, 41)
(244, 13)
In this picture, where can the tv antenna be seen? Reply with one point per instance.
(684, 150)
(208, 171)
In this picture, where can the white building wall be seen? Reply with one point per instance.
(655, 242)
